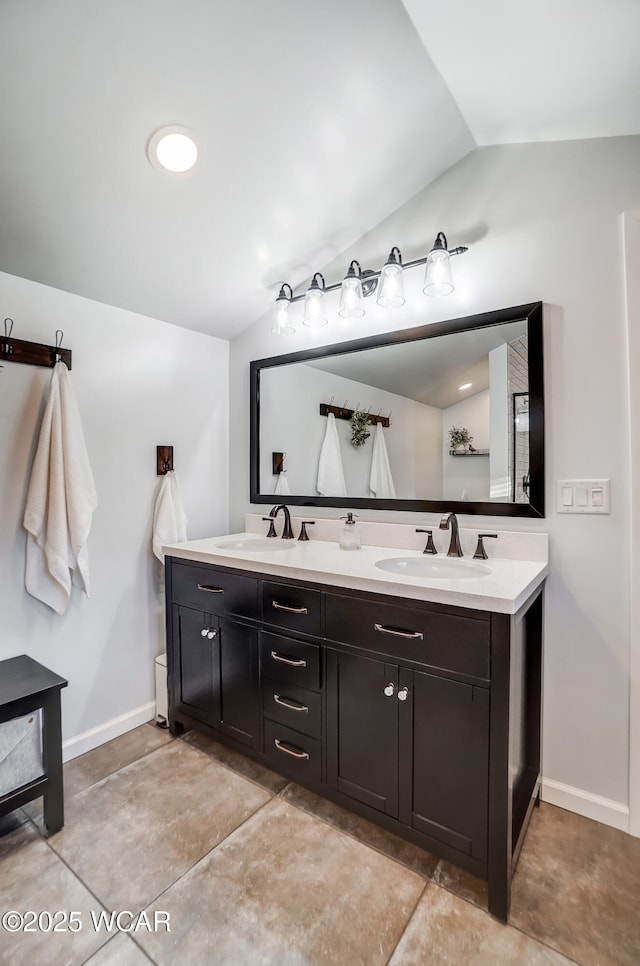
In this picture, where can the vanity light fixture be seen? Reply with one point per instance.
(351, 294)
(280, 324)
(438, 279)
(358, 284)
(315, 314)
(172, 149)
(391, 285)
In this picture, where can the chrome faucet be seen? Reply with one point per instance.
(287, 532)
(450, 520)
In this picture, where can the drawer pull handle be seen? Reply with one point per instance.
(288, 703)
(290, 750)
(292, 610)
(211, 590)
(417, 635)
(288, 660)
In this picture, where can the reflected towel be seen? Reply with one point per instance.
(282, 486)
(330, 473)
(381, 481)
(60, 502)
(169, 519)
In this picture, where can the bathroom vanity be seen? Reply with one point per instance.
(413, 702)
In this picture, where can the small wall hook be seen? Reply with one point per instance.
(164, 460)
(59, 338)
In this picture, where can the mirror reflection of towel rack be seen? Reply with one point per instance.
(341, 412)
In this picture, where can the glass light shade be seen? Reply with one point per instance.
(351, 298)
(438, 279)
(391, 286)
(280, 324)
(314, 311)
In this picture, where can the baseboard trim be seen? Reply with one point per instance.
(600, 809)
(91, 739)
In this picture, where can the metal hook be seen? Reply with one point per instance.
(59, 338)
(7, 335)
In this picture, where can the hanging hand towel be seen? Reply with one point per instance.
(381, 481)
(169, 519)
(60, 502)
(330, 473)
(282, 486)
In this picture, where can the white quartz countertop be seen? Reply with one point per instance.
(503, 590)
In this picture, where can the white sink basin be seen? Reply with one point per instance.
(258, 545)
(434, 568)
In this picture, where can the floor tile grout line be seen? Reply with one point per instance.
(408, 922)
(511, 925)
(145, 754)
(351, 835)
(207, 854)
(230, 767)
(87, 962)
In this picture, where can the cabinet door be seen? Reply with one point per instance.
(362, 730)
(237, 696)
(444, 760)
(194, 664)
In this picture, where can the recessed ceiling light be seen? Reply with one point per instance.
(467, 385)
(172, 149)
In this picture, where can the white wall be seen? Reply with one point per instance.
(543, 221)
(138, 383)
(467, 477)
(290, 398)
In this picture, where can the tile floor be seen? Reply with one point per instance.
(251, 869)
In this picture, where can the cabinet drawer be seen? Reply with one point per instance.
(214, 591)
(292, 753)
(296, 608)
(447, 641)
(290, 662)
(293, 706)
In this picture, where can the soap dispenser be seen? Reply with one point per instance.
(350, 534)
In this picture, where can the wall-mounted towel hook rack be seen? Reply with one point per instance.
(343, 413)
(32, 353)
(164, 460)
(277, 463)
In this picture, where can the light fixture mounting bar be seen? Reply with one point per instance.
(370, 276)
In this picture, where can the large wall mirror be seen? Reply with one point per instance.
(482, 373)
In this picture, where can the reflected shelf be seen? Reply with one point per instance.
(469, 452)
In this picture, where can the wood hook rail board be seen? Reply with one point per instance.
(340, 413)
(32, 353)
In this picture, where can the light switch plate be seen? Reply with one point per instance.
(583, 496)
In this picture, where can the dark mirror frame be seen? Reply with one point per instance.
(531, 313)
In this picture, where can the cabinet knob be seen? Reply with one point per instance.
(211, 634)
(403, 694)
(204, 631)
(390, 688)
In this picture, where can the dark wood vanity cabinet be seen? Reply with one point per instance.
(424, 718)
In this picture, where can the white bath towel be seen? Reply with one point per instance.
(330, 473)
(282, 486)
(381, 481)
(169, 518)
(60, 502)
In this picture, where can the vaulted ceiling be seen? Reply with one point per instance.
(314, 122)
